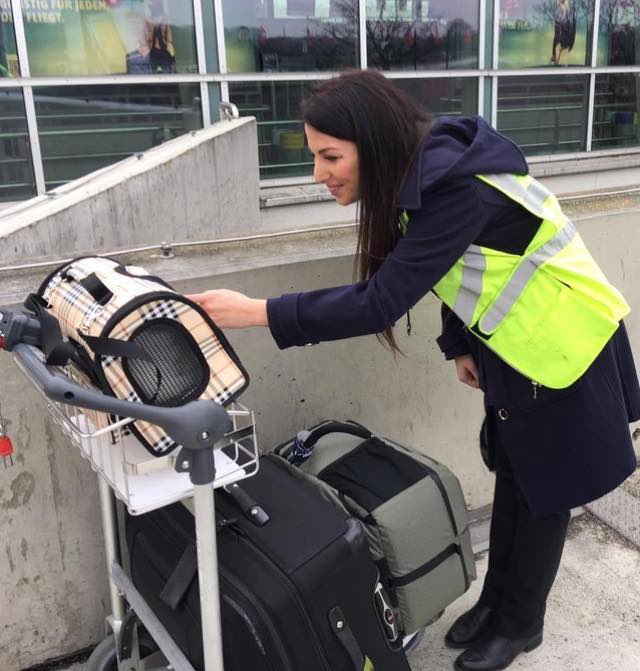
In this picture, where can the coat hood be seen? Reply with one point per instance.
(459, 147)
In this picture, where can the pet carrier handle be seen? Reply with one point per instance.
(197, 425)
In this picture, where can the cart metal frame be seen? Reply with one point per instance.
(96, 423)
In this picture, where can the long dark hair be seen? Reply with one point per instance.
(364, 107)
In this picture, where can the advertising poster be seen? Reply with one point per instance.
(295, 9)
(290, 35)
(422, 34)
(619, 34)
(8, 56)
(109, 37)
(537, 33)
(393, 10)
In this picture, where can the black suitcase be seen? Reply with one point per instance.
(296, 593)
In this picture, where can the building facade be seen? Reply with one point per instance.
(85, 83)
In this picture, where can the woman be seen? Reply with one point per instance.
(564, 35)
(156, 41)
(452, 209)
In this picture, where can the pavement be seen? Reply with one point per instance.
(593, 612)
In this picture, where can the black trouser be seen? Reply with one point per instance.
(524, 556)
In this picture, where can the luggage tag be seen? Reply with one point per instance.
(6, 447)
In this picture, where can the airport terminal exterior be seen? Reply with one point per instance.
(86, 83)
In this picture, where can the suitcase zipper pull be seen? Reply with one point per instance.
(535, 386)
(225, 523)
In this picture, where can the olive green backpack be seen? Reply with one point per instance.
(412, 509)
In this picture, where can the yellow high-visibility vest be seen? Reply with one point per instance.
(548, 312)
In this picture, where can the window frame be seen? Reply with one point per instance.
(487, 74)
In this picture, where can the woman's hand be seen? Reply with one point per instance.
(467, 370)
(231, 309)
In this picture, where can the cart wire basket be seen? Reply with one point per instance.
(144, 482)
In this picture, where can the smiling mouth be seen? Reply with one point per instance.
(335, 188)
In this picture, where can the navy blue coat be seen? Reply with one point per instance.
(566, 447)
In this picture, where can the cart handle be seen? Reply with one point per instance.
(196, 426)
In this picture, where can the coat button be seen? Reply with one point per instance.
(503, 414)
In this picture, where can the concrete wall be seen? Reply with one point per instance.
(52, 586)
(52, 589)
(192, 188)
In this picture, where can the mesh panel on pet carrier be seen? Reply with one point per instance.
(178, 373)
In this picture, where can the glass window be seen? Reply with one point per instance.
(290, 35)
(619, 32)
(443, 96)
(214, 102)
(544, 33)
(422, 34)
(276, 105)
(16, 170)
(109, 37)
(8, 54)
(616, 111)
(281, 141)
(83, 128)
(210, 37)
(546, 114)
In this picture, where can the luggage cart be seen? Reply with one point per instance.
(218, 448)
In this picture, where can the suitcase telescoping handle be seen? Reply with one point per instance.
(196, 426)
(305, 441)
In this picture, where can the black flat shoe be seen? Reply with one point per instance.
(495, 652)
(469, 627)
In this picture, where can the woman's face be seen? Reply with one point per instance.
(335, 164)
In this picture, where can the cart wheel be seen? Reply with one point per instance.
(104, 657)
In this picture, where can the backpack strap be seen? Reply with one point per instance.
(58, 352)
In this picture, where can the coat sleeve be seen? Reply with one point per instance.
(453, 341)
(450, 218)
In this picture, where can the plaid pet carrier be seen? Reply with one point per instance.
(134, 337)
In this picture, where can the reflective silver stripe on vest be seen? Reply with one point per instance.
(474, 263)
(529, 264)
(533, 196)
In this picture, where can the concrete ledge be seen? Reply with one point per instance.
(578, 164)
(626, 167)
(294, 195)
(222, 257)
(202, 185)
(29, 211)
(205, 261)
